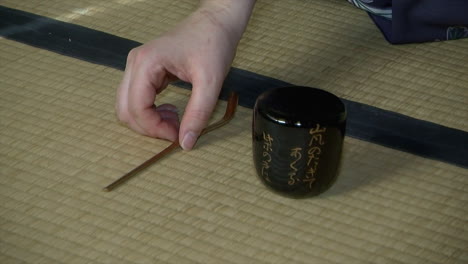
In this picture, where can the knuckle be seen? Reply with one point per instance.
(136, 54)
(121, 117)
(131, 55)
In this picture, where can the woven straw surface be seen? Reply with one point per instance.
(322, 43)
(60, 144)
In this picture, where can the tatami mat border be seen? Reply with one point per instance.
(365, 122)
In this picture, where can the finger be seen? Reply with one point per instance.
(144, 85)
(168, 107)
(169, 113)
(198, 111)
(167, 80)
(121, 106)
(121, 102)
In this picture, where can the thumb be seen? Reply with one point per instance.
(198, 112)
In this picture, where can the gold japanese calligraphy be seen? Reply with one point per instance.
(296, 154)
(267, 149)
(316, 142)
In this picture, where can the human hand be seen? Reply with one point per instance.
(199, 51)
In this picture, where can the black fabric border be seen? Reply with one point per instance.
(365, 122)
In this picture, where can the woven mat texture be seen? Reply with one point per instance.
(322, 43)
(60, 144)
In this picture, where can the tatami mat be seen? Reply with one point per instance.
(323, 43)
(60, 144)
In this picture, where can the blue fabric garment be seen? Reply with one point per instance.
(411, 21)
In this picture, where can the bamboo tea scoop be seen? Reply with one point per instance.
(228, 115)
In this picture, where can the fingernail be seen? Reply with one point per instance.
(189, 140)
(170, 108)
(174, 110)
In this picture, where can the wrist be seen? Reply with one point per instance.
(232, 15)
